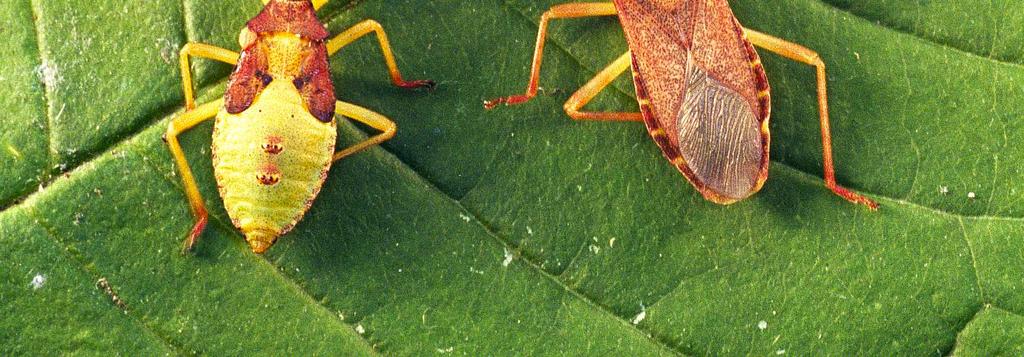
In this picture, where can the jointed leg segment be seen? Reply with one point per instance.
(180, 124)
(204, 51)
(563, 11)
(368, 117)
(802, 54)
(596, 85)
(364, 28)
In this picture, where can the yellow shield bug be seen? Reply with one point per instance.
(275, 129)
(703, 93)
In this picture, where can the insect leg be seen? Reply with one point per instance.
(367, 117)
(802, 54)
(180, 124)
(205, 51)
(563, 11)
(317, 4)
(364, 28)
(595, 86)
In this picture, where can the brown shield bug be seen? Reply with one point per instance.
(702, 90)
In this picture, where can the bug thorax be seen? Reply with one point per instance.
(285, 54)
(296, 17)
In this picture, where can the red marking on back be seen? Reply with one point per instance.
(298, 17)
(273, 145)
(269, 175)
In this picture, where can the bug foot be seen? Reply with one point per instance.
(423, 83)
(855, 197)
(512, 100)
(194, 235)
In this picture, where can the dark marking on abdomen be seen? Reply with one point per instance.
(269, 175)
(273, 146)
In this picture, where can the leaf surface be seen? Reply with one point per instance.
(517, 230)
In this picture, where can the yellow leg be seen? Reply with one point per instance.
(180, 124)
(802, 54)
(317, 4)
(204, 51)
(595, 86)
(364, 28)
(368, 117)
(563, 11)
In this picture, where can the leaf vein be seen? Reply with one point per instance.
(90, 269)
(51, 152)
(974, 260)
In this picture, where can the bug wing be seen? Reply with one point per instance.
(314, 83)
(248, 80)
(702, 91)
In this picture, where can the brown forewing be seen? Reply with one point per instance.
(314, 83)
(313, 80)
(248, 79)
(666, 37)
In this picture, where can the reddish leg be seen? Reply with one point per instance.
(802, 54)
(595, 86)
(364, 28)
(183, 122)
(563, 11)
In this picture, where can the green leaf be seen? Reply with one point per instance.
(516, 231)
(994, 332)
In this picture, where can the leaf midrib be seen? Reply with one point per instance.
(51, 151)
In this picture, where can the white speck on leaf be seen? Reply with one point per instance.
(762, 325)
(38, 281)
(508, 258)
(971, 195)
(168, 49)
(48, 73)
(640, 316)
(359, 329)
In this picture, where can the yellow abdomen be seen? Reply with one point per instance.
(270, 162)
